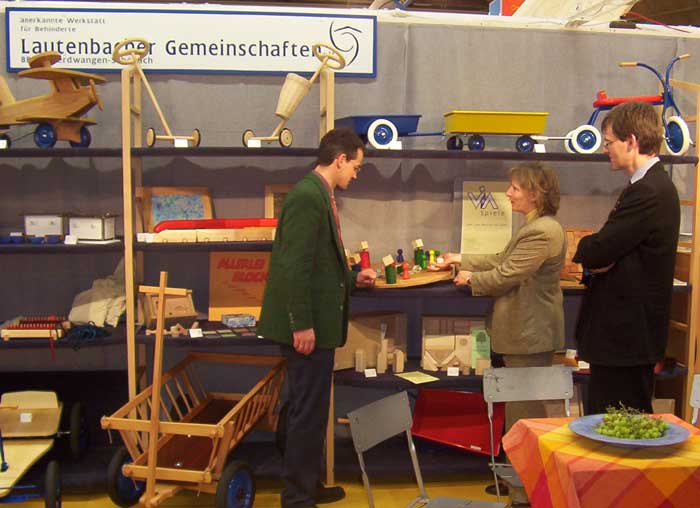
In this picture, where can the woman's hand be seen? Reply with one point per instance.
(464, 278)
(447, 261)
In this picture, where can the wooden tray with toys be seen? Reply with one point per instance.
(421, 278)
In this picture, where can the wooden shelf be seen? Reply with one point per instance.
(204, 246)
(53, 248)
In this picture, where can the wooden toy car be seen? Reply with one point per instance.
(59, 113)
(29, 424)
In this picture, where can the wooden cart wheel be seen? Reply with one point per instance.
(476, 142)
(79, 436)
(45, 135)
(381, 133)
(586, 139)
(333, 56)
(525, 144)
(286, 138)
(123, 491)
(236, 487)
(248, 134)
(150, 136)
(130, 55)
(196, 137)
(52, 485)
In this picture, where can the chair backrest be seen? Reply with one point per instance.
(380, 420)
(695, 398)
(513, 384)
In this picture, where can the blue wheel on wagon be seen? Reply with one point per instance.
(476, 143)
(45, 135)
(236, 487)
(85, 139)
(122, 490)
(585, 139)
(677, 136)
(525, 144)
(455, 143)
(381, 133)
(52, 485)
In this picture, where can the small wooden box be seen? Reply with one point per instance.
(92, 228)
(178, 310)
(41, 225)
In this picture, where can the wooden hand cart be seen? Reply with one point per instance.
(177, 435)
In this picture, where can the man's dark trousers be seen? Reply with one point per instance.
(309, 379)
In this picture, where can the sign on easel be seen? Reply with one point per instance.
(237, 283)
(487, 217)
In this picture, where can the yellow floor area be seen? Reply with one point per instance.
(386, 495)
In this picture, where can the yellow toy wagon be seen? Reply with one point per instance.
(473, 124)
(179, 435)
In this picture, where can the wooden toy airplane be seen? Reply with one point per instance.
(59, 113)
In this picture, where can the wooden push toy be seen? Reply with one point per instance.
(178, 435)
(130, 52)
(29, 424)
(59, 114)
(293, 92)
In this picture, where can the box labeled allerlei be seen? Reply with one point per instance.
(92, 228)
(238, 320)
(43, 224)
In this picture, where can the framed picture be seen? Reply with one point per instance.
(169, 203)
(274, 197)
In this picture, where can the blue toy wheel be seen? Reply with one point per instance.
(122, 490)
(381, 133)
(455, 143)
(45, 136)
(677, 136)
(52, 485)
(476, 142)
(236, 487)
(525, 144)
(585, 139)
(85, 139)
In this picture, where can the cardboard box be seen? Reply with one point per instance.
(364, 332)
(43, 224)
(92, 228)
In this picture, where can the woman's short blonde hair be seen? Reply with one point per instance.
(542, 181)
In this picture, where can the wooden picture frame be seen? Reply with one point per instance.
(169, 203)
(274, 198)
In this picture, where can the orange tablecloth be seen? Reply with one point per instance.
(561, 469)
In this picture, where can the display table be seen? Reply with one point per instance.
(561, 469)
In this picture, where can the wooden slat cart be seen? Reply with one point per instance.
(184, 442)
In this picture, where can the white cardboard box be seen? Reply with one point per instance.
(92, 228)
(40, 225)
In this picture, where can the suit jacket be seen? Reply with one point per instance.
(309, 282)
(528, 314)
(624, 315)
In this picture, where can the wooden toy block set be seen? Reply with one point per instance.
(35, 327)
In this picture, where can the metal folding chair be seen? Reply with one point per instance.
(520, 384)
(695, 398)
(386, 418)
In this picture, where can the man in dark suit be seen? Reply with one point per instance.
(622, 327)
(305, 309)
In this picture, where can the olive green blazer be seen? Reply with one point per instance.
(528, 313)
(309, 283)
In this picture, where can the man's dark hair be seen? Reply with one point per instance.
(640, 119)
(336, 142)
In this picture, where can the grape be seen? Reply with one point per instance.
(628, 423)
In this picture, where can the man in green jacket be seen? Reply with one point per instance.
(305, 308)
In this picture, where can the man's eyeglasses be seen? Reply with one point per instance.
(607, 143)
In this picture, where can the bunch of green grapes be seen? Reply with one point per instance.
(628, 423)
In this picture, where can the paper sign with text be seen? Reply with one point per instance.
(237, 283)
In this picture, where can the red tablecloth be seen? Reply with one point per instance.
(561, 469)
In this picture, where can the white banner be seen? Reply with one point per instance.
(192, 40)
